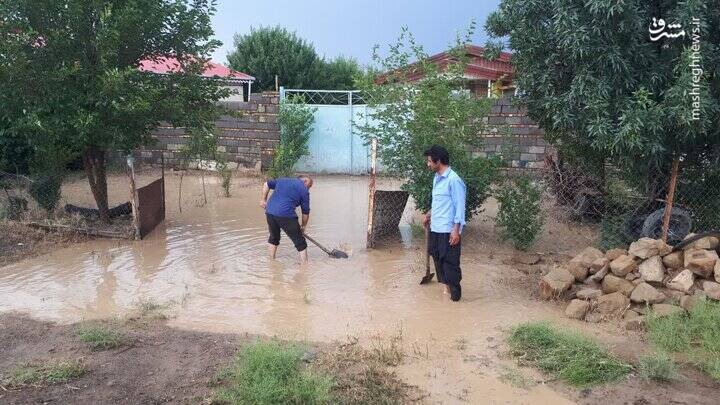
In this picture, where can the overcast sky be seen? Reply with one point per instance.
(347, 28)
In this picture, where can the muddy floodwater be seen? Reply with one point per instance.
(209, 265)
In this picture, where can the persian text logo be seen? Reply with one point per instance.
(658, 29)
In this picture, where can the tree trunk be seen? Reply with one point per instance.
(94, 164)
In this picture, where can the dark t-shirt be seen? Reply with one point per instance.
(289, 193)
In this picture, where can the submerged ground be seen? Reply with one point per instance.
(207, 265)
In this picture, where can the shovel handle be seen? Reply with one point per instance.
(427, 254)
(316, 244)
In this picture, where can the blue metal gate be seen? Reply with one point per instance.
(336, 146)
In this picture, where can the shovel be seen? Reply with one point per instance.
(337, 254)
(428, 276)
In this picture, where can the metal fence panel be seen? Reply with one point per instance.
(151, 210)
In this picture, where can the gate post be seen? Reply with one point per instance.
(352, 135)
(133, 196)
(371, 193)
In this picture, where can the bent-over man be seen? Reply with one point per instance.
(288, 194)
(446, 219)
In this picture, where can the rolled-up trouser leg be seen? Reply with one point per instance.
(274, 229)
(291, 226)
(447, 262)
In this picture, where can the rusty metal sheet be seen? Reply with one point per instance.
(151, 206)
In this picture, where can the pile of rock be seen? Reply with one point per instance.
(629, 283)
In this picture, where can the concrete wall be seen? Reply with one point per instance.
(335, 146)
(510, 129)
(250, 140)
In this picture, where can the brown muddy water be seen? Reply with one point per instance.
(209, 265)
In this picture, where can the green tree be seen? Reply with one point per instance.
(340, 73)
(407, 117)
(71, 83)
(296, 120)
(269, 51)
(603, 90)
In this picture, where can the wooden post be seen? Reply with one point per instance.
(277, 83)
(133, 196)
(162, 163)
(371, 193)
(670, 198)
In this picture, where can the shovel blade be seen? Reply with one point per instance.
(427, 278)
(337, 254)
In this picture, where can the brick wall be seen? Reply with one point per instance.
(249, 140)
(509, 128)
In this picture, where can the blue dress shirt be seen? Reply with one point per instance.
(448, 202)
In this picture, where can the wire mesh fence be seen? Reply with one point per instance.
(576, 208)
(66, 201)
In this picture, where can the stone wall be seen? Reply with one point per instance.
(249, 139)
(510, 129)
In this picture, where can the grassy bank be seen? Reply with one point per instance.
(45, 373)
(568, 356)
(695, 333)
(273, 373)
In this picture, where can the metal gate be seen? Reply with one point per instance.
(335, 144)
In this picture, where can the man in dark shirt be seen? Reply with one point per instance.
(288, 194)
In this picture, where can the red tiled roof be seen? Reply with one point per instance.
(171, 65)
(478, 66)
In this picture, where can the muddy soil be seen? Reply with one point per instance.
(19, 241)
(158, 364)
(209, 264)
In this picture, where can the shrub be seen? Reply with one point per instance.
(272, 373)
(296, 120)
(520, 217)
(225, 173)
(612, 231)
(569, 356)
(406, 117)
(659, 366)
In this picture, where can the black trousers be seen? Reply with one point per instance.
(447, 262)
(291, 226)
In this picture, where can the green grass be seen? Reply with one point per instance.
(272, 373)
(696, 333)
(658, 365)
(568, 356)
(101, 337)
(49, 373)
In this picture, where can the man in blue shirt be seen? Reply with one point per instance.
(446, 219)
(288, 194)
